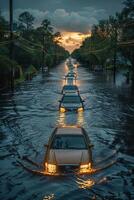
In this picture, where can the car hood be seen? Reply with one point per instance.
(64, 157)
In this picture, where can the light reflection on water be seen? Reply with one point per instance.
(64, 119)
(28, 117)
(84, 184)
(49, 197)
(80, 118)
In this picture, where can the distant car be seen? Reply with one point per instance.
(71, 74)
(70, 80)
(71, 102)
(68, 151)
(67, 89)
(70, 65)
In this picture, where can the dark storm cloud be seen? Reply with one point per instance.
(67, 15)
(70, 5)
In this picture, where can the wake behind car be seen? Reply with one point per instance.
(68, 89)
(68, 151)
(71, 102)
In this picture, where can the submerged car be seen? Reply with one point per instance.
(71, 74)
(71, 102)
(68, 151)
(67, 89)
(70, 80)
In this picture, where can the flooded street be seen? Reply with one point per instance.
(28, 117)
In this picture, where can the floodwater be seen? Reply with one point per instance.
(28, 117)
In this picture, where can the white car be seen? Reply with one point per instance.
(68, 151)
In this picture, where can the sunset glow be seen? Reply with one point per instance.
(73, 40)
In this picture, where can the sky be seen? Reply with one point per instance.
(73, 18)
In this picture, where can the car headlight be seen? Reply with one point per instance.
(80, 109)
(85, 168)
(62, 109)
(51, 168)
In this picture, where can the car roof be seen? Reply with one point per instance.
(69, 131)
(71, 95)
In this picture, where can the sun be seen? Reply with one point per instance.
(73, 40)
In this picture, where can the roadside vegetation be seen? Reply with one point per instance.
(111, 44)
(30, 49)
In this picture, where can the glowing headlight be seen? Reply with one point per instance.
(80, 109)
(51, 168)
(85, 168)
(62, 109)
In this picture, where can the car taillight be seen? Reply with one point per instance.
(51, 168)
(85, 168)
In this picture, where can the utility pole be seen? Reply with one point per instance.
(11, 41)
(115, 54)
(43, 54)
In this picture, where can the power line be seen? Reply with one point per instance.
(6, 42)
(37, 45)
(123, 43)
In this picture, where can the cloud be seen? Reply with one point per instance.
(72, 40)
(62, 20)
(80, 21)
(38, 14)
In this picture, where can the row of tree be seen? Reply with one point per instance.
(112, 41)
(31, 48)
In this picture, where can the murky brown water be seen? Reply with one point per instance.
(28, 117)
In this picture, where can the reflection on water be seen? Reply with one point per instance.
(62, 118)
(49, 197)
(80, 118)
(28, 117)
(84, 184)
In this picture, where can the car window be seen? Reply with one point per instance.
(71, 99)
(69, 142)
(71, 87)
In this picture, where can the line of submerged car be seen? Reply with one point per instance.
(69, 148)
(71, 99)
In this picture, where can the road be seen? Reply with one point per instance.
(28, 117)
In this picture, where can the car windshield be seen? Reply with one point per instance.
(70, 87)
(71, 99)
(69, 142)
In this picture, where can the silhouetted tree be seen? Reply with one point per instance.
(26, 20)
